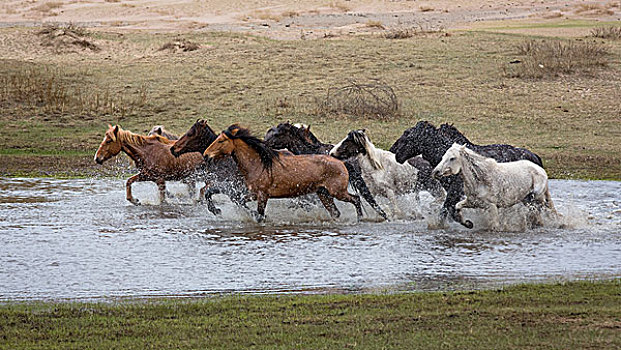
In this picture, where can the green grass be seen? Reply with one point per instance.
(460, 79)
(572, 315)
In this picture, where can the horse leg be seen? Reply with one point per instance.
(351, 198)
(261, 204)
(493, 213)
(191, 183)
(128, 188)
(328, 201)
(207, 192)
(396, 211)
(161, 186)
(462, 204)
(358, 183)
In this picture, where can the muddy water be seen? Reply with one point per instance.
(80, 239)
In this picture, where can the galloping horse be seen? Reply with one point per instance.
(222, 176)
(299, 140)
(380, 170)
(152, 157)
(424, 139)
(489, 184)
(278, 174)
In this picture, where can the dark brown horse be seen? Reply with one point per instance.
(222, 175)
(274, 174)
(152, 157)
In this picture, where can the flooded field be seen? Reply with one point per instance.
(80, 239)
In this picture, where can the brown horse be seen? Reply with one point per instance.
(152, 157)
(270, 173)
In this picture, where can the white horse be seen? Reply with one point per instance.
(380, 170)
(489, 184)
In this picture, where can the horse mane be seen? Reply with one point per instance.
(266, 154)
(477, 162)
(453, 134)
(361, 138)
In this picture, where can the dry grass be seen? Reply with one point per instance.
(289, 13)
(553, 58)
(371, 100)
(552, 15)
(613, 33)
(180, 45)
(594, 10)
(51, 91)
(65, 38)
(48, 6)
(265, 15)
(374, 24)
(425, 8)
(340, 6)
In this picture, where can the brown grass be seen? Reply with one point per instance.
(426, 8)
(554, 58)
(374, 24)
(594, 10)
(65, 38)
(265, 15)
(340, 6)
(613, 33)
(48, 6)
(180, 45)
(551, 15)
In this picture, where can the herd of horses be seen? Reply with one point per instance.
(291, 162)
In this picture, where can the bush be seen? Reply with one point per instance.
(554, 58)
(375, 100)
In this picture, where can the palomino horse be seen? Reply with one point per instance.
(300, 140)
(380, 170)
(424, 139)
(152, 157)
(274, 174)
(490, 185)
(222, 176)
(160, 130)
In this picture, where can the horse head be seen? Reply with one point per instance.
(288, 136)
(160, 130)
(197, 139)
(225, 145)
(451, 163)
(413, 141)
(356, 142)
(110, 146)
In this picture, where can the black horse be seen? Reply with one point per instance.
(222, 175)
(302, 141)
(431, 142)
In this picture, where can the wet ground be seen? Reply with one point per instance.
(80, 239)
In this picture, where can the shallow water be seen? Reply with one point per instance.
(80, 239)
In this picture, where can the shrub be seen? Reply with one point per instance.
(376, 100)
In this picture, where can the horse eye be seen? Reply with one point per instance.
(452, 159)
(221, 141)
(109, 141)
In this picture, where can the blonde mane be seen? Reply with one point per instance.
(372, 153)
(128, 137)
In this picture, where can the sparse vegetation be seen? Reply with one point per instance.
(594, 10)
(613, 33)
(371, 100)
(426, 9)
(340, 6)
(48, 6)
(65, 38)
(374, 24)
(552, 58)
(180, 45)
(576, 315)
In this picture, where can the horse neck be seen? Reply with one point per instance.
(434, 148)
(474, 169)
(247, 159)
(374, 155)
(133, 145)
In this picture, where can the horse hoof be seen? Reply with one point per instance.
(134, 201)
(468, 224)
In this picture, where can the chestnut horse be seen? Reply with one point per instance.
(152, 157)
(281, 174)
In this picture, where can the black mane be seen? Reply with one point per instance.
(287, 135)
(266, 154)
(452, 133)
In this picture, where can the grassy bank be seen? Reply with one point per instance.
(60, 102)
(572, 315)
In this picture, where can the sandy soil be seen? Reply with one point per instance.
(291, 19)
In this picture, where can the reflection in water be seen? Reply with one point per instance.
(81, 239)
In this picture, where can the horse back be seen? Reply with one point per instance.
(506, 153)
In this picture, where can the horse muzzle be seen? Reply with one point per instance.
(98, 160)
